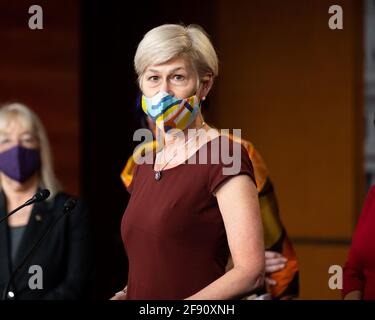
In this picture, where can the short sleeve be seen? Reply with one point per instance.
(224, 170)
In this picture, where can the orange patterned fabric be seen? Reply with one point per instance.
(275, 236)
(286, 278)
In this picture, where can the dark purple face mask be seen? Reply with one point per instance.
(20, 163)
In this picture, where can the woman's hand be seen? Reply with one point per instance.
(274, 262)
(121, 295)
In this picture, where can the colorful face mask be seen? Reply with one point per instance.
(169, 112)
(20, 163)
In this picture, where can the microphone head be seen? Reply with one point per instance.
(41, 195)
(70, 204)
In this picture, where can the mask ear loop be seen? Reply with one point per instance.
(200, 101)
(160, 138)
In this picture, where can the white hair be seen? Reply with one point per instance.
(169, 41)
(28, 119)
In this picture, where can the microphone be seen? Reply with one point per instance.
(69, 205)
(38, 197)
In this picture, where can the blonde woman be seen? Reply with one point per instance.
(183, 220)
(25, 168)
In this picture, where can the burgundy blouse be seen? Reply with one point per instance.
(172, 229)
(359, 270)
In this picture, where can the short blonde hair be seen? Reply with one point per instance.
(29, 120)
(169, 41)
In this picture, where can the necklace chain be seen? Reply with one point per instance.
(158, 172)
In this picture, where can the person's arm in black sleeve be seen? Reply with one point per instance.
(79, 264)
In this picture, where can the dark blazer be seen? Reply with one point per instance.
(64, 256)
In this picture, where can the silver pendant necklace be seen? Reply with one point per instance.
(158, 173)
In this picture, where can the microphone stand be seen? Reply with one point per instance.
(38, 197)
(67, 209)
(15, 210)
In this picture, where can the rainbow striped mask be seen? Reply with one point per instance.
(169, 112)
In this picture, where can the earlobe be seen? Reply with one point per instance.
(207, 87)
(206, 84)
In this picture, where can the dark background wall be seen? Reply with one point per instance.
(41, 69)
